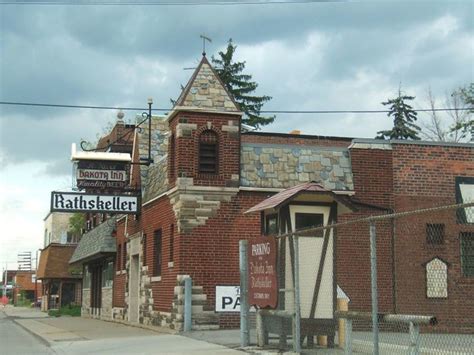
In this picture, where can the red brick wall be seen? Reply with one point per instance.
(121, 279)
(186, 158)
(425, 177)
(159, 215)
(211, 253)
(372, 171)
(373, 184)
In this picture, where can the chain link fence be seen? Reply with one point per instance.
(404, 283)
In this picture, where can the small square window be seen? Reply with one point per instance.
(271, 225)
(435, 233)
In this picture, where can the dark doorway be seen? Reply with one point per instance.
(68, 293)
(96, 286)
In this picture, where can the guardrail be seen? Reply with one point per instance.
(414, 322)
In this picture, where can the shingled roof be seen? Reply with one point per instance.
(284, 196)
(54, 262)
(96, 243)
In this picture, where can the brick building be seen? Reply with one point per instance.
(61, 283)
(25, 285)
(208, 170)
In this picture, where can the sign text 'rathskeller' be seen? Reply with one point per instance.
(79, 202)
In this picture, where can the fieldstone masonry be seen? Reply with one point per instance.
(207, 92)
(281, 166)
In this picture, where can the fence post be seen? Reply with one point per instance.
(414, 348)
(188, 299)
(244, 300)
(373, 277)
(348, 339)
(297, 316)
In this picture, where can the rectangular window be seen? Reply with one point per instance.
(124, 256)
(171, 243)
(86, 281)
(208, 155)
(467, 253)
(208, 158)
(435, 233)
(157, 251)
(271, 226)
(144, 250)
(118, 256)
(108, 274)
(309, 220)
(464, 194)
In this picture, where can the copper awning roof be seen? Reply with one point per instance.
(280, 198)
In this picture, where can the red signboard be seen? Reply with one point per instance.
(263, 288)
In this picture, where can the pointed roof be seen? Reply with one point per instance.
(205, 91)
(286, 195)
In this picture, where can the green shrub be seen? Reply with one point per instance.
(73, 311)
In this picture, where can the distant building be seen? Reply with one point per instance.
(56, 229)
(61, 283)
(23, 286)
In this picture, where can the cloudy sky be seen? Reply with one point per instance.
(307, 56)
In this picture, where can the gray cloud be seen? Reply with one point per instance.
(307, 56)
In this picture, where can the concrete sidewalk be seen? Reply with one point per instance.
(75, 335)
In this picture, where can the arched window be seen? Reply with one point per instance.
(208, 155)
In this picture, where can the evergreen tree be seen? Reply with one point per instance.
(404, 117)
(241, 87)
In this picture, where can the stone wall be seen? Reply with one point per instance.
(86, 297)
(194, 205)
(106, 310)
(281, 166)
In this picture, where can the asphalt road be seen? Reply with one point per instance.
(15, 340)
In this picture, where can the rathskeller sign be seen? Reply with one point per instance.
(81, 202)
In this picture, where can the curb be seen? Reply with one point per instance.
(37, 336)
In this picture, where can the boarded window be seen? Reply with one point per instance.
(435, 233)
(467, 253)
(144, 250)
(158, 255)
(208, 152)
(171, 242)
(436, 279)
(124, 256)
(119, 255)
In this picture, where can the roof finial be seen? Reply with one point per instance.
(120, 116)
(204, 39)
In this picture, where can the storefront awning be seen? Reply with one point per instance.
(96, 243)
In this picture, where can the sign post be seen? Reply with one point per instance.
(263, 288)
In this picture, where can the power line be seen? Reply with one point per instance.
(168, 3)
(263, 111)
